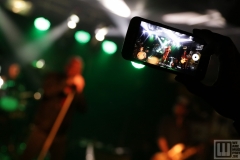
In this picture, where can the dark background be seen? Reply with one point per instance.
(125, 104)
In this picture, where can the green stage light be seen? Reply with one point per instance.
(8, 104)
(82, 36)
(151, 38)
(137, 65)
(109, 47)
(42, 24)
(38, 64)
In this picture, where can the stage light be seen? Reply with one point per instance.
(211, 18)
(109, 47)
(151, 38)
(42, 24)
(82, 36)
(118, 7)
(137, 65)
(72, 21)
(40, 63)
(8, 104)
(100, 33)
(99, 37)
(1, 81)
(90, 152)
(74, 18)
(37, 95)
(19, 6)
(71, 24)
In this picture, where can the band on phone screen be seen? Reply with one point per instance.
(167, 48)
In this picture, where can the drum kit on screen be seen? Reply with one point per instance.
(156, 61)
(172, 62)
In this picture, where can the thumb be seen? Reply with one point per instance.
(194, 86)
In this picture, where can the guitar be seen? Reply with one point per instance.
(153, 60)
(177, 152)
(183, 60)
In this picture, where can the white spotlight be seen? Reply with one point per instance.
(100, 33)
(40, 63)
(99, 37)
(71, 24)
(118, 7)
(74, 18)
(1, 82)
(19, 6)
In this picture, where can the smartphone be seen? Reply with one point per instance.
(166, 48)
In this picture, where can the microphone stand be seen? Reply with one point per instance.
(56, 126)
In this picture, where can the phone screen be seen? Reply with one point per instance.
(167, 48)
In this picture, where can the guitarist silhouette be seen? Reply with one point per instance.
(175, 135)
(184, 59)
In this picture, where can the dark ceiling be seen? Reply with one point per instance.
(92, 13)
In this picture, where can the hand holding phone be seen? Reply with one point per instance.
(159, 41)
(224, 94)
(165, 48)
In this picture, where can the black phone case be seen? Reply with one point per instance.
(130, 40)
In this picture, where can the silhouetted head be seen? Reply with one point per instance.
(181, 107)
(74, 66)
(13, 71)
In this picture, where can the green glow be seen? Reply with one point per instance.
(137, 65)
(42, 24)
(109, 47)
(165, 43)
(34, 64)
(151, 38)
(82, 36)
(8, 103)
(4, 86)
(38, 64)
(10, 83)
(22, 146)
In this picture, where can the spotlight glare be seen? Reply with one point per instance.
(74, 18)
(37, 95)
(109, 47)
(19, 6)
(8, 103)
(1, 81)
(82, 36)
(42, 24)
(100, 37)
(137, 65)
(100, 33)
(40, 63)
(118, 7)
(103, 31)
(71, 24)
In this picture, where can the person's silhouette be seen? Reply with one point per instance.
(223, 95)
